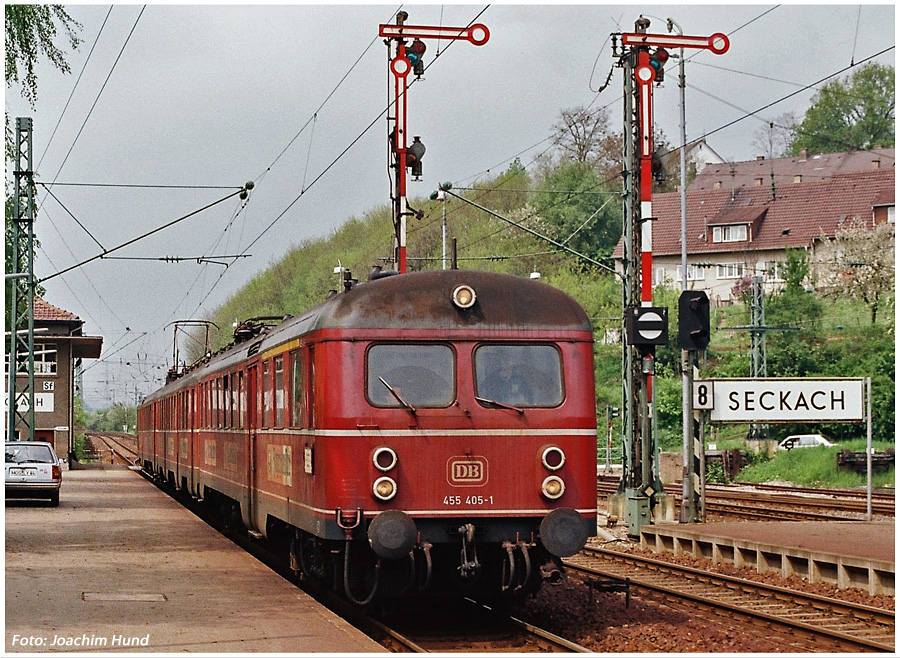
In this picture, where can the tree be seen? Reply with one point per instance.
(30, 31)
(774, 139)
(584, 214)
(856, 113)
(861, 265)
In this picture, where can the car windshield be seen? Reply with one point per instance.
(28, 453)
(519, 375)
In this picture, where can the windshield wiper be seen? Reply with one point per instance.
(499, 404)
(411, 409)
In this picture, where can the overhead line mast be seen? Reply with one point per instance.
(410, 59)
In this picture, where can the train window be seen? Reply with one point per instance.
(418, 375)
(519, 375)
(242, 401)
(296, 389)
(279, 391)
(266, 395)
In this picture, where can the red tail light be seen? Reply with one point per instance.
(57, 473)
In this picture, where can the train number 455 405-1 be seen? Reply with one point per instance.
(468, 500)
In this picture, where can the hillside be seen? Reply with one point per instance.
(827, 347)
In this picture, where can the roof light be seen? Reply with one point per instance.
(464, 297)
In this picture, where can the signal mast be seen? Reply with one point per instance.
(410, 59)
(643, 57)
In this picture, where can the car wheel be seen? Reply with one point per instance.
(54, 500)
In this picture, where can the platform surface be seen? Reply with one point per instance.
(870, 541)
(120, 566)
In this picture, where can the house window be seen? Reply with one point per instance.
(736, 233)
(729, 270)
(890, 214)
(774, 271)
(695, 273)
(659, 276)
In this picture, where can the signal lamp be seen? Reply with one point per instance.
(464, 297)
(553, 458)
(384, 459)
(414, 154)
(553, 487)
(658, 62)
(415, 54)
(384, 488)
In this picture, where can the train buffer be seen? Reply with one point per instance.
(611, 585)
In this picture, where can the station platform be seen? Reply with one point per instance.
(845, 553)
(120, 567)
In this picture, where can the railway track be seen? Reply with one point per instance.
(471, 627)
(803, 622)
(121, 447)
(781, 503)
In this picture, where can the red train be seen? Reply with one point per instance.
(433, 431)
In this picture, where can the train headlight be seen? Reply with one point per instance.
(384, 488)
(464, 297)
(553, 458)
(384, 459)
(553, 487)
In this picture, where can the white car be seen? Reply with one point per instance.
(804, 441)
(32, 471)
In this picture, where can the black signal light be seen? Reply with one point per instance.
(415, 54)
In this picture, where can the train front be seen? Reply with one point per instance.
(468, 462)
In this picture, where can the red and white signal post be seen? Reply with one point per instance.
(410, 59)
(643, 57)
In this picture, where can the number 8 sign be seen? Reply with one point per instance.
(703, 395)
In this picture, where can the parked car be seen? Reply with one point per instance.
(804, 441)
(32, 471)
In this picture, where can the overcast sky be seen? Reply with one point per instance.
(213, 95)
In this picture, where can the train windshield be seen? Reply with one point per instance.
(519, 375)
(410, 375)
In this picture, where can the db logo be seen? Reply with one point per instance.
(467, 471)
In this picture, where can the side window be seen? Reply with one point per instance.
(418, 375)
(519, 375)
(296, 389)
(242, 401)
(267, 406)
(279, 391)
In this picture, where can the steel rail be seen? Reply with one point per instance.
(717, 587)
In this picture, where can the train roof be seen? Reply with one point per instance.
(423, 300)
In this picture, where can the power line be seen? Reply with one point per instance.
(140, 237)
(100, 93)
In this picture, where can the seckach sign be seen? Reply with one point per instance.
(783, 400)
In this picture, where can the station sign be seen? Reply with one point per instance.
(43, 403)
(781, 400)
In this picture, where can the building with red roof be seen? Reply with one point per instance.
(744, 231)
(59, 347)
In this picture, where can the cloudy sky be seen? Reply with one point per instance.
(169, 109)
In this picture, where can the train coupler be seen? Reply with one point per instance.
(468, 568)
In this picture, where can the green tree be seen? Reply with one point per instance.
(30, 32)
(583, 213)
(856, 113)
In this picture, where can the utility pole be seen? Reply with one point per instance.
(643, 57)
(409, 59)
(21, 302)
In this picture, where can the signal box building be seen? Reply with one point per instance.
(59, 347)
